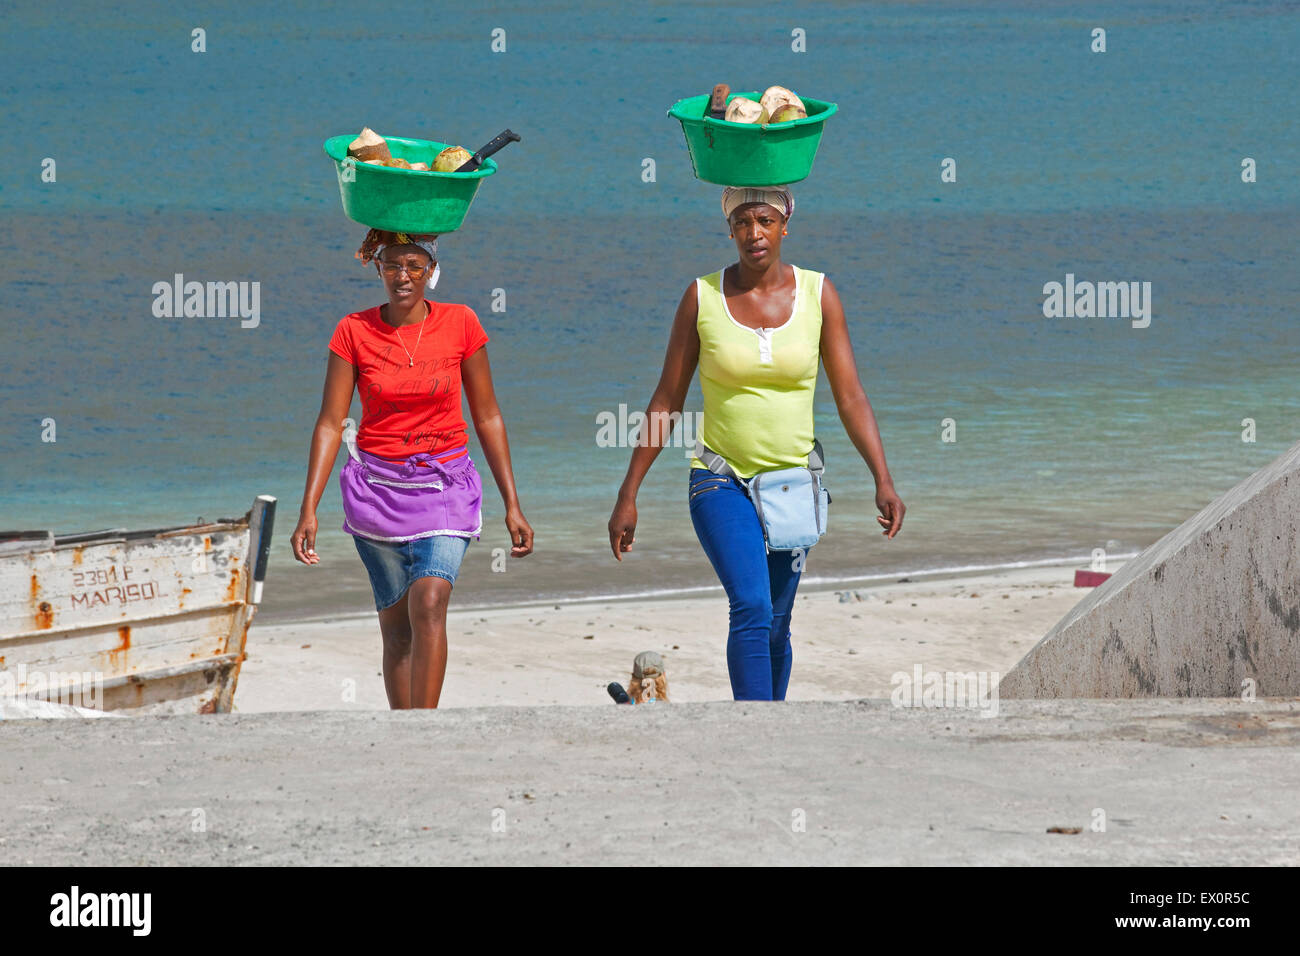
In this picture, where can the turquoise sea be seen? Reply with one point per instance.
(1071, 433)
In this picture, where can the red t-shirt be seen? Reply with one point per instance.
(407, 409)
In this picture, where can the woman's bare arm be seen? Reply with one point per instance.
(340, 382)
(669, 396)
(854, 408)
(490, 426)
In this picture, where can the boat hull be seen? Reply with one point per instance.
(133, 622)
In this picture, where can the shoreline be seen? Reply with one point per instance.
(847, 643)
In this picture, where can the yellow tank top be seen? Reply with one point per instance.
(758, 384)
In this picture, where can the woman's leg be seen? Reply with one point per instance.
(784, 570)
(428, 598)
(415, 644)
(435, 564)
(728, 529)
(386, 564)
(395, 626)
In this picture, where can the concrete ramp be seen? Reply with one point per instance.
(750, 783)
(1212, 603)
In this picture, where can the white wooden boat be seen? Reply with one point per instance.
(139, 622)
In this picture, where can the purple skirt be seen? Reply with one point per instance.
(388, 500)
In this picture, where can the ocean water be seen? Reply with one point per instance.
(1071, 433)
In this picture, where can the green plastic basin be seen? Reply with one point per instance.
(404, 200)
(747, 154)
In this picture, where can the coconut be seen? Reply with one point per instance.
(787, 112)
(718, 101)
(451, 159)
(742, 110)
(422, 167)
(369, 145)
(774, 97)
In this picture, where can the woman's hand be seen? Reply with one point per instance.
(622, 527)
(521, 533)
(891, 506)
(303, 540)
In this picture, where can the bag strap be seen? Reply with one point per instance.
(816, 460)
(718, 465)
(712, 460)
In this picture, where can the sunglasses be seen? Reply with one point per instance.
(392, 269)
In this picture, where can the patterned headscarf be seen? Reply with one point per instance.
(377, 240)
(778, 197)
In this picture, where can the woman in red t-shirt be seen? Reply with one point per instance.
(411, 494)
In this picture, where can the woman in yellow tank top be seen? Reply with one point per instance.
(757, 331)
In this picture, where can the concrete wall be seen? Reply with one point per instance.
(1215, 601)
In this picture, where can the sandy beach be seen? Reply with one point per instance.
(847, 644)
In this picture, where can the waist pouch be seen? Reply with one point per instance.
(403, 500)
(792, 503)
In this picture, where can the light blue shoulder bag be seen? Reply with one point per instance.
(792, 503)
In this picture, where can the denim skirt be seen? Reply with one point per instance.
(394, 565)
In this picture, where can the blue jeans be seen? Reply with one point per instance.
(760, 586)
(393, 566)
